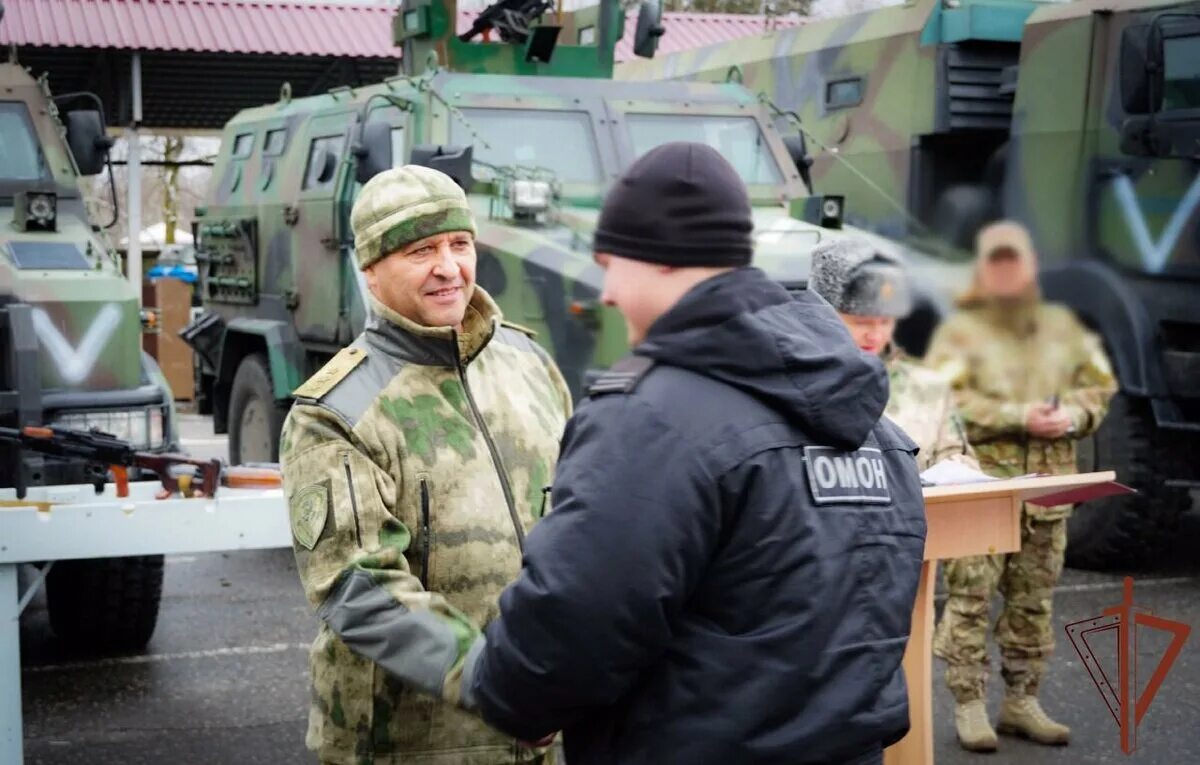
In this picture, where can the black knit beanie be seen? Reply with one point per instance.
(681, 204)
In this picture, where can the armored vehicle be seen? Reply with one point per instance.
(535, 146)
(1081, 120)
(70, 346)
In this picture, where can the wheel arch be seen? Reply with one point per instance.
(1112, 309)
(275, 340)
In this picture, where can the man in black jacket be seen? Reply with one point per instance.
(729, 570)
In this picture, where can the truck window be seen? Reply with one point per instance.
(1181, 73)
(739, 139)
(275, 142)
(20, 158)
(562, 142)
(843, 94)
(324, 153)
(243, 145)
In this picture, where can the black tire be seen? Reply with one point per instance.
(105, 605)
(1126, 532)
(255, 419)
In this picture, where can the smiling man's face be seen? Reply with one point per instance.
(429, 281)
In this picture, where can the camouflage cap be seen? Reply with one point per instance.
(404, 204)
(858, 279)
(1002, 236)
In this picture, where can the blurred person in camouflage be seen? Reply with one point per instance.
(414, 464)
(1029, 381)
(870, 291)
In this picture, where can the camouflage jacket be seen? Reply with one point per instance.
(921, 403)
(1003, 360)
(414, 462)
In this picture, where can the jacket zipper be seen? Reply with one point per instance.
(487, 437)
(425, 534)
(353, 500)
(545, 496)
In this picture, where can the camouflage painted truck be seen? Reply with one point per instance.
(1080, 119)
(535, 142)
(70, 347)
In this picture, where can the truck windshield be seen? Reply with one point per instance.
(20, 159)
(562, 142)
(739, 139)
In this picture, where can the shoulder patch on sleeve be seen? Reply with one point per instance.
(334, 371)
(836, 476)
(309, 509)
(518, 327)
(622, 377)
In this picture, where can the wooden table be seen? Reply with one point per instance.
(968, 519)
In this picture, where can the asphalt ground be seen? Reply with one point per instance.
(224, 679)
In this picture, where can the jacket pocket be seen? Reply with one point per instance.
(353, 498)
(426, 533)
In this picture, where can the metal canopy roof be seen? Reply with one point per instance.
(204, 60)
(201, 60)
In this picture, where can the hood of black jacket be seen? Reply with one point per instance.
(790, 351)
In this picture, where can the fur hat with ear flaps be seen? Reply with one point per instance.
(855, 278)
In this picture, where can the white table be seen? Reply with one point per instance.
(73, 522)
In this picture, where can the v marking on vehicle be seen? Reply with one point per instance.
(75, 364)
(1154, 254)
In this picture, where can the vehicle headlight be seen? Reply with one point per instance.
(141, 428)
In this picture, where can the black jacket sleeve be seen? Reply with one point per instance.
(606, 574)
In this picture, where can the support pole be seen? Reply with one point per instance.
(133, 261)
(10, 667)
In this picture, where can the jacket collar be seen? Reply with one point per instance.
(403, 338)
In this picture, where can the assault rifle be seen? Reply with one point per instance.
(511, 18)
(103, 452)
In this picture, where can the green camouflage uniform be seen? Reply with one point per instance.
(920, 401)
(414, 462)
(1002, 359)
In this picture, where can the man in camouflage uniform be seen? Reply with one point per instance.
(414, 463)
(1029, 381)
(870, 291)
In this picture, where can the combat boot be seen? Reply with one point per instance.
(1023, 716)
(975, 732)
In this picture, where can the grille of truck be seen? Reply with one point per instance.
(971, 94)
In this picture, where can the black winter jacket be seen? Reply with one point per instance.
(709, 587)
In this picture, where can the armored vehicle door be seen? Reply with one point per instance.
(324, 189)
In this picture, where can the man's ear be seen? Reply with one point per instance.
(371, 277)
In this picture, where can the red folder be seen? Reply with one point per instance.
(1080, 494)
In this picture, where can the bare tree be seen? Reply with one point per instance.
(170, 193)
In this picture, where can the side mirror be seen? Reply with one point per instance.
(1141, 71)
(88, 141)
(649, 28)
(454, 161)
(373, 151)
(798, 150)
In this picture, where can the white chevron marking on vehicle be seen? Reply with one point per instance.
(1154, 254)
(75, 364)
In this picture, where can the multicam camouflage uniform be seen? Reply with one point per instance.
(1002, 359)
(921, 402)
(414, 463)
